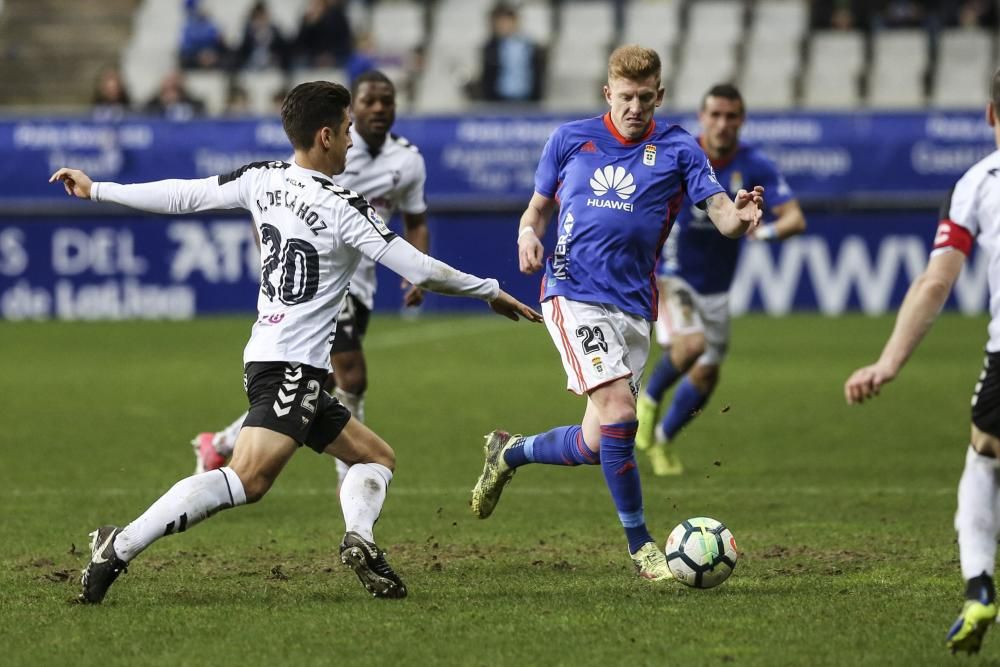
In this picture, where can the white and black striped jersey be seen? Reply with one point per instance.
(313, 233)
(392, 179)
(972, 214)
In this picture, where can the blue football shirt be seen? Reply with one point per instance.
(617, 200)
(695, 250)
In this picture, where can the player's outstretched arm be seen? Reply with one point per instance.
(167, 196)
(920, 308)
(434, 275)
(534, 220)
(734, 218)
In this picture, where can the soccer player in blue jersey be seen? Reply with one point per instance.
(695, 272)
(618, 181)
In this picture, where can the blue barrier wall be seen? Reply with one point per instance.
(472, 162)
(96, 268)
(61, 258)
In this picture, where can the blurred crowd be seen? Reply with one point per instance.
(511, 66)
(888, 14)
(325, 39)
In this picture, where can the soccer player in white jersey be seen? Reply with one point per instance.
(389, 172)
(618, 181)
(971, 213)
(313, 233)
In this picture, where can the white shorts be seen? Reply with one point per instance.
(598, 343)
(684, 311)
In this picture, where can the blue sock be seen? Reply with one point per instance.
(622, 477)
(662, 377)
(562, 446)
(686, 404)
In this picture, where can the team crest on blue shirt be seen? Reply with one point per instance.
(649, 155)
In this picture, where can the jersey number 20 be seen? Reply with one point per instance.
(299, 264)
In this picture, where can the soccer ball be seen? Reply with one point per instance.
(701, 552)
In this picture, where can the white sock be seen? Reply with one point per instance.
(185, 504)
(342, 469)
(353, 402)
(225, 440)
(976, 518)
(362, 495)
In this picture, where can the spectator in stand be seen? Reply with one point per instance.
(237, 101)
(173, 102)
(974, 14)
(512, 64)
(906, 14)
(201, 42)
(325, 38)
(278, 100)
(111, 98)
(840, 15)
(263, 45)
(364, 58)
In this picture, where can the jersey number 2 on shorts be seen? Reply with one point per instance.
(299, 262)
(593, 339)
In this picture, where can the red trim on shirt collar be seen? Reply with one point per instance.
(608, 123)
(718, 164)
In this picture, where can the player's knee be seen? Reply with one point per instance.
(985, 443)
(385, 456)
(619, 413)
(687, 350)
(705, 377)
(351, 375)
(256, 486)
(353, 382)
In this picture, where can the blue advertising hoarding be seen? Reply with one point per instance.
(176, 268)
(482, 161)
(72, 260)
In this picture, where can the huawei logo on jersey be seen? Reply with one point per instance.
(615, 179)
(612, 178)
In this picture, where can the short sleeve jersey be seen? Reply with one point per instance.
(313, 233)
(695, 250)
(392, 179)
(972, 214)
(617, 200)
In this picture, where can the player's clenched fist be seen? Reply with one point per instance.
(76, 182)
(529, 251)
(865, 383)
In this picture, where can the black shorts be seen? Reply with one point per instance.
(289, 398)
(986, 397)
(351, 326)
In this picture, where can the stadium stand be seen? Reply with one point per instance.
(51, 57)
(836, 61)
(898, 69)
(432, 49)
(578, 65)
(964, 60)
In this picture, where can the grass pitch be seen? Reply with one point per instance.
(843, 515)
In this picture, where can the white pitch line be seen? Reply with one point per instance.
(548, 490)
(428, 333)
